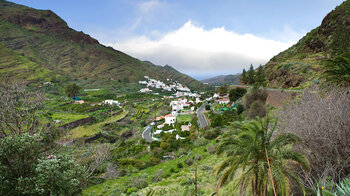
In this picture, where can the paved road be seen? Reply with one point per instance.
(147, 134)
(201, 118)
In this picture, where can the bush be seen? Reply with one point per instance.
(172, 170)
(211, 149)
(189, 161)
(200, 142)
(255, 102)
(207, 107)
(322, 121)
(237, 93)
(212, 133)
(179, 165)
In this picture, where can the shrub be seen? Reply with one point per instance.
(189, 161)
(200, 142)
(322, 121)
(255, 102)
(211, 149)
(237, 93)
(172, 170)
(179, 165)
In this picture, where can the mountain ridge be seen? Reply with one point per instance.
(64, 54)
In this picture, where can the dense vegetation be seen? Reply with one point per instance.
(38, 44)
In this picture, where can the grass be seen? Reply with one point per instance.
(181, 118)
(95, 128)
(68, 117)
(172, 182)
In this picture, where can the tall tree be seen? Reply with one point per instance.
(251, 75)
(237, 93)
(260, 77)
(72, 90)
(244, 77)
(257, 157)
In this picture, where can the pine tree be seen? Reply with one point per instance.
(244, 77)
(251, 75)
(260, 78)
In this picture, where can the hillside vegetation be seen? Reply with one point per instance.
(301, 64)
(38, 44)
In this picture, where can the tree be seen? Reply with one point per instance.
(237, 93)
(223, 89)
(251, 75)
(26, 170)
(321, 119)
(337, 71)
(244, 77)
(260, 78)
(18, 108)
(255, 102)
(250, 149)
(72, 90)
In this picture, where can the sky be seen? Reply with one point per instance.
(201, 38)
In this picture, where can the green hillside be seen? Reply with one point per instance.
(301, 64)
(38, 44)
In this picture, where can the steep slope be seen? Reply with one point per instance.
(301, 64)
(223, 79)
(44, 39)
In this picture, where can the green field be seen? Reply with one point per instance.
(182, 118)
(95, 128)
(68, 117)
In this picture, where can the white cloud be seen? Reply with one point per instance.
(148, 6)
(195, 50)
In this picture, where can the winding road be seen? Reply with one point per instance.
(201, 118)
(147, 134)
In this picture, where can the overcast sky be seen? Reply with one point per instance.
(201, 38)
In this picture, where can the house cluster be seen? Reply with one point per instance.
(171, 86)
(221, 99)
(170, 119)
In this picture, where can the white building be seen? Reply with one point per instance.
(145, 90)
(170, 119)
(223, 101)
(111, 102)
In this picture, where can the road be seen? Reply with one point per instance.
(147, 134)
(270, 89)
(201, 118)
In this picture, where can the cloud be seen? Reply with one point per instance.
(197, 51)
(147, 6)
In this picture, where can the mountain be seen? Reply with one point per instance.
(223, 79)
(301, 64)
(38, 45)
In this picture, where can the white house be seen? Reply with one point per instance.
(157, 132)
(174, 113)
(111, 102)
(145, 90)
(142, 82)
(216, 95)
(223, 101)
(179, 137)
(170, 119)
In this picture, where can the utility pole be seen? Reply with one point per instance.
(195, 180)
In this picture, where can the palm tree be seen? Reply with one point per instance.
(337, 70)
(258, 160)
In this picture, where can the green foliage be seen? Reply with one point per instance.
(244, 77)
(260, 78)
(72, 90)
(24, 169)
(251, 75)
(246, 146)
(337, 71)
(255, 102)
(237, 93)
(58, 176)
